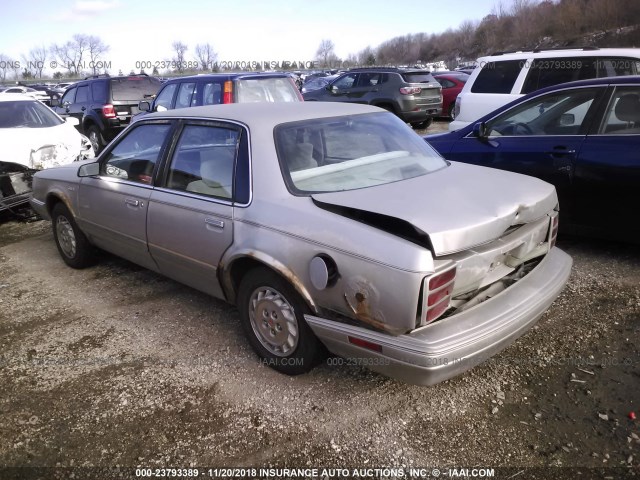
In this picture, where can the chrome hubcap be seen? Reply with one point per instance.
(66, 237)
(273, 321)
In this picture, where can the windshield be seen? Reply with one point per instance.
(351, 152)
(33, 114)
(279, 89)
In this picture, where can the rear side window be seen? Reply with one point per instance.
(545, 72)
(134, 88)
(267, 90)
(82, 95)
(99, 92)
(497, 77)
(212, 94)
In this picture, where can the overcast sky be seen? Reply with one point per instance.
(239, 30)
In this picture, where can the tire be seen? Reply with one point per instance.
(280, 336)
(73, 246)
(422, 125)
(387, 107)
(95, 137)
(452, 111)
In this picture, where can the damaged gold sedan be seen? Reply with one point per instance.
(331, 227)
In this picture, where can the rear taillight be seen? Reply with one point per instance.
(227, 96)
(553, 235)
(410, 90)
(437, 293)
(456, 108)
(108, 111)
(300, 97)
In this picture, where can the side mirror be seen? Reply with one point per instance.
(481, 131)
(333, 89)
(72, 121)
(144, 106)
(66, 104)
(89, 170)
(567, 119)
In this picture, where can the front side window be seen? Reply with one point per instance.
(559, 113)
(203, 162)
(165, 97)
(497, 77)
(135, 156)
(346, 81)
(623, 113)
(351, 152)
(69, 96)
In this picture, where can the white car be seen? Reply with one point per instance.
(33, 137)
(28, 91)
(503, 77)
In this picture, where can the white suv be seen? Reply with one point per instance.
(503, 77)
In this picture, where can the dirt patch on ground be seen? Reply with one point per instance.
(118, 366)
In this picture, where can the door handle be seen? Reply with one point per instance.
(560, 152)
(133, 203)
(213, 222)
(83, 108)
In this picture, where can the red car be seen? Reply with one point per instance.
(452, 83)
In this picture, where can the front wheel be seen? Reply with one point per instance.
(74, 248)
(272, 316)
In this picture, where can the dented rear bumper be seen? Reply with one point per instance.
(453, 345)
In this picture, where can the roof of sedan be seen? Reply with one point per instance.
(12, 97)
(272, 113)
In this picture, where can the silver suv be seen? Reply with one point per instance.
(412, 94)
(506, 76)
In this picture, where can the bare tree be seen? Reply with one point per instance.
(180, 49)
(6, 66)
(73, 53)
(325, 53)
(96, 49)
(206, 56)
(367, 57)
(34, 61)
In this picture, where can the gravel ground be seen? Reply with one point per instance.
(117, 366)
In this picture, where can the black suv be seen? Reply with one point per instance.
(104, 105)
(412, 94)
(216, 88)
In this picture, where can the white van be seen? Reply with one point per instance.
(503, 77)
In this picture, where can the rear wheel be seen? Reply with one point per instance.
(95, 137)
(272, 316)
(74, 248)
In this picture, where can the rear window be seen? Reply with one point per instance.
(418, 77)
(266, 90)
(134, 88)
(497, 77)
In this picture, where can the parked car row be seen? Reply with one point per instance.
(290, 209)
(332, 226)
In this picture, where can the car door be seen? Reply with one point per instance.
(82, 101)
(540, 137)
(113, 206)
(66, 101)
(607, 173)
(366, 87)
(340, 89)
(190, 221)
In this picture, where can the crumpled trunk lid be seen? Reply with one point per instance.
(454, 209)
